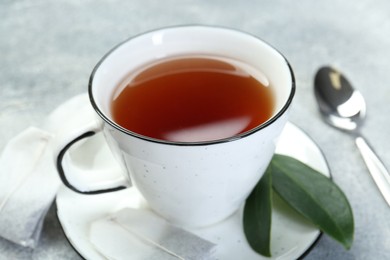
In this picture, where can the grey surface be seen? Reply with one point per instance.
(48, 49)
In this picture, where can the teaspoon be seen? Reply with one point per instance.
(343, 107)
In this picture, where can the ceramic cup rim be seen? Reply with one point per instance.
(245, 134)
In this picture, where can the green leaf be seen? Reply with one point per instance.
(314, 196)
(257, 216)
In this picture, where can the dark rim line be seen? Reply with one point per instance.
(62, 175)
(218, 141)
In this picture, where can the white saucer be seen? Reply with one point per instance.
(292, 236)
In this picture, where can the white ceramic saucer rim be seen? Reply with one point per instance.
(75, 225)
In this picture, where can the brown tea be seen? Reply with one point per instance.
(191, 99)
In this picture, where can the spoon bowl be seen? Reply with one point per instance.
(340, 105)
(344, 108)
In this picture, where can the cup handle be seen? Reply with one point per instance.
(96, 183)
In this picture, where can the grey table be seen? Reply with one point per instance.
(48, 49)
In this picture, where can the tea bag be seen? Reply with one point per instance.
(28, 184)
(28, 177)
(141, 234)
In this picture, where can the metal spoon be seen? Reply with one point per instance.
(344, 108)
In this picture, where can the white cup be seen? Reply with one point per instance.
(195, 183)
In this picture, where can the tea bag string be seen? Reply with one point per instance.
(146, 239)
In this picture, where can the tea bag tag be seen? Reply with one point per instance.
(141, 234)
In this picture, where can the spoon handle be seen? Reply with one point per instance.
(377, 169)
